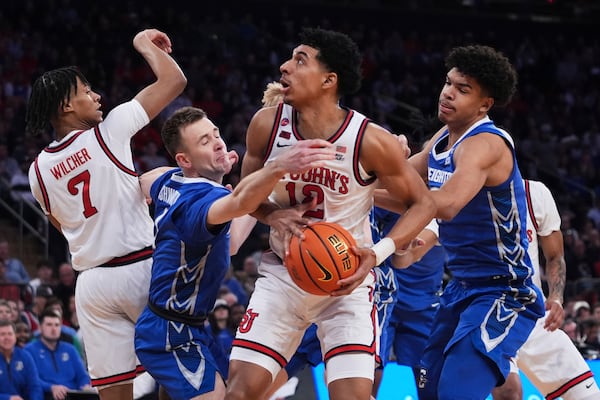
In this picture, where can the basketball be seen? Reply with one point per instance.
(322, 258)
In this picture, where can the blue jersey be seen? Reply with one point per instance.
(189, 261)
(490, 306)
(189, 264)
(488, 237)
(419, 285)
(62, 366)
(19, 377)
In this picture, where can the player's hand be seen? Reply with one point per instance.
(232, 159)
(288, 222)
(367, 262)
(404, 258)
(555, 316)
(59, 392)
(158, 38)
(306, 155)
(15, 397)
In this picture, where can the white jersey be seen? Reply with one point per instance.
(550, 359)
(344, 191)
(88, 183)
(542, 219)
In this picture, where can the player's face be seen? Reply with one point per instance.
(86, 104)
(8, 338)
(462, 100)
(205, 151)
(5, 313)
(50, 328)
(302, 76)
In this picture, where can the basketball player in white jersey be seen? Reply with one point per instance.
(549, 358)
(323, 68)
(86, 184)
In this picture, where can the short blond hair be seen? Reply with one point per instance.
(273, 94)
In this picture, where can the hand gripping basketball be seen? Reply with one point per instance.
(317, 262)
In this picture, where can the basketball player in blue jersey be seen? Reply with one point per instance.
(417, 279)
(322, 69)
(192, 249)
(490, 305)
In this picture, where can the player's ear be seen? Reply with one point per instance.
(182, 160)
(487, 104)
(330, 79)
(66, 107)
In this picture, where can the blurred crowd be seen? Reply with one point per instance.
(229, 54)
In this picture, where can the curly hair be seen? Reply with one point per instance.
(171, 130)
(48, 94)
(339, 54)
(490, 68)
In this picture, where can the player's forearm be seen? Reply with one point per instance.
(555, 277)
(252, 191)
(163, 66)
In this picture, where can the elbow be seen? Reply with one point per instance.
(179, 82)
(446, 213)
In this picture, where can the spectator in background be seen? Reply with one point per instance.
(8, 290)
(8, 167)
(218, 320)
(152, 157)
(59, 365)
(18, 374)
(67, 333)
(23, 334)
(596, 312)
(15, 270)
(44, 272)
(8, 164)
(582, 310)
(40, 298)
(66, 285)
(235, 286)
(5, 313)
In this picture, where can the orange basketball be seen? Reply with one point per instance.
(322, 258)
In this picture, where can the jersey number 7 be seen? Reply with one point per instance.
(83, 179)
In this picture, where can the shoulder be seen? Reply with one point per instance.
(264, 118)
(31, 346)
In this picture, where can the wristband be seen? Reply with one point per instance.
(383, 249)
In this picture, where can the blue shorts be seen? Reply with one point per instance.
(308, 353)
(489, 324)
(181, 358)
(410, 331)
(385, 298)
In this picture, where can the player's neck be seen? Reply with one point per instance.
(458, 128)
(322, 123)
(64, 127)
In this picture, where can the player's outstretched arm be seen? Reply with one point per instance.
(253, 189)
(155, 47)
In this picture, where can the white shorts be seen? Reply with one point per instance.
(554, 365)
(109, 301)
(279, 312)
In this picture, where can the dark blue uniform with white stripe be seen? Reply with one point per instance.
(413, 295)
(491, 301)
(189, 264)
